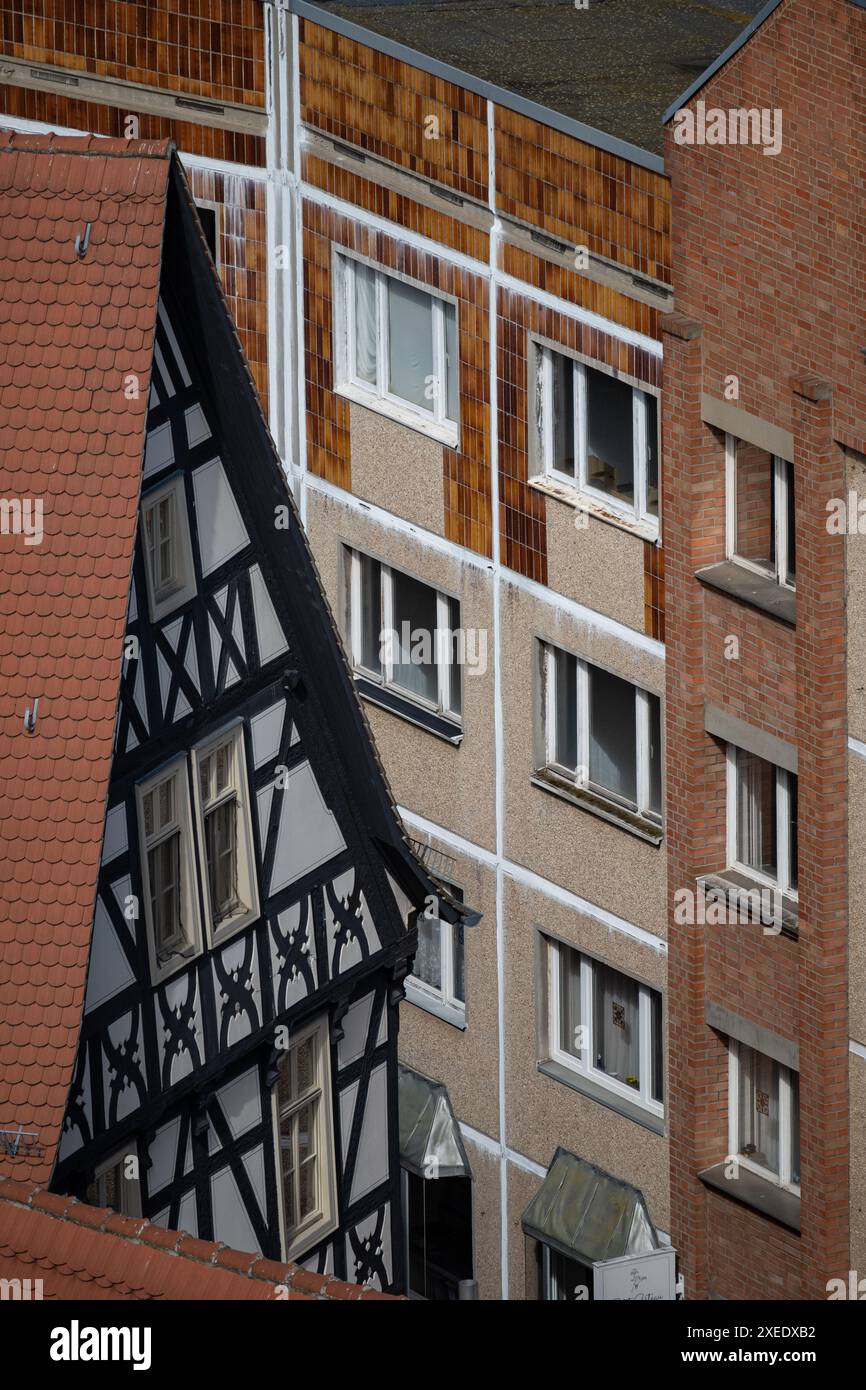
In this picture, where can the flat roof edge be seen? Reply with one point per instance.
(723, 58)
(567, 125)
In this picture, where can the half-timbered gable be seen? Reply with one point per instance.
(235, 1072)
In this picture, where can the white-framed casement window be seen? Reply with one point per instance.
(404, 635)
(397, 347)
(168, 869)
(167, 551)
(759, 511)
(762, 820)
(602, 733)
(764, 1115)
(305, 1139)
(598, 433)
(225, 832)
(605, 1026)
(438, 979)
(116, 1183)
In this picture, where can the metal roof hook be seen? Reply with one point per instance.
(82, 243)
(30, 716)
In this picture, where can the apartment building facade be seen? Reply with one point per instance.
(453, 300)
(764, 464)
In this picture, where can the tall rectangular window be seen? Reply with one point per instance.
(305, 1143)
(167, 554)
(404, 635)
(764, 1115)
(167, 861)
(602, 733)
(225, 832)
(437, 982)
(605, 1025)
(760, 531)
(397, 347)
(762, 819)
(599, 433)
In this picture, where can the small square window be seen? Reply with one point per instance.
(397, 347)
(167, 550)
(601, 733)
(116, 1183)
(305, 1141)
(760, 531)
(598, 432)
(167, 859)
(225, 833)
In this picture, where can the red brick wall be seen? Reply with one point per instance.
(767, 261)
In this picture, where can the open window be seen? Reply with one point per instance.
(305, 1140)
(437, 982)
(760, 531)
(225, 833)
(167, 551)
(762, 820)
(168, 870)
(599, 434)
(115, 1183)
(764, 1115)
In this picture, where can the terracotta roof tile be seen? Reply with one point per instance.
(70, 328)
(84, 1252)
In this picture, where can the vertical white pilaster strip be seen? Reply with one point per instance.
(300, 373)
(498, 738)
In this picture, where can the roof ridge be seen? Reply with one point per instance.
(105, 146)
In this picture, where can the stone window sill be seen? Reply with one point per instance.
(731, 884)
(755, 1192)
(758, 590)
(407, 709)
(643, 829)
(581, 502)
(593, 1090)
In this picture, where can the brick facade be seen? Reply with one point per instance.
(767, 291)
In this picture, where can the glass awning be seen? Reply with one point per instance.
(430, 1143)
(588, 1215)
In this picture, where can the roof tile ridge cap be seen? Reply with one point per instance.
(106, 146)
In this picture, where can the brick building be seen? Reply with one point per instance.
(764, 396)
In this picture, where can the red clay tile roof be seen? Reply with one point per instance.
(83, 1252)
(73, 329)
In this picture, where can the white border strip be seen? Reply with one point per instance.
(857, 747)
(578, 612)
(500, 1151)
(859, 1049)
(532, 880)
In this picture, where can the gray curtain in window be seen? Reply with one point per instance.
(759, 1107)
(366, 328)
(616, 1030)
(410, 333)
(756, 812)
(612, 734)
(415, 622)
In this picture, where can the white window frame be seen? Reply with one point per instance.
(783, 1178)
(443, 651)
(781, 504)
(245, 848)
(584, 1066)
(130, 1188)
(296, 1242)
(434, 422)
(443, 1001)
(177, 769)
(781, 882)
(160, 604)
(639, 512)
(581, 778)
(211, 206)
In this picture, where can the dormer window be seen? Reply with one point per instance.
(167, 551)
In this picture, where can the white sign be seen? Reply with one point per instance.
(637, 1278)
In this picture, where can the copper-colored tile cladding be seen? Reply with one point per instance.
(654, 590)
(522, 509)
(84, 1253)
(415, 217)
(395, 111)
(578, 289)
(74, 332)
(242, 252)
(54, 109)
(467, 471)
(206, 48)
(582, 194)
